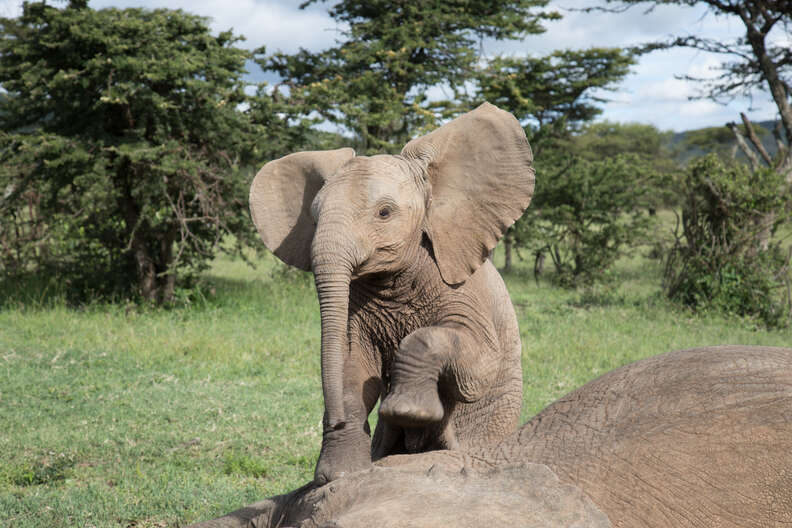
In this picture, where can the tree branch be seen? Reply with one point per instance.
(744, 146)
(777, 134)
(755, 140)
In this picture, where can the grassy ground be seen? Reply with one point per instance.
(121, 416)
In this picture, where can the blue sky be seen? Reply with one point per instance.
(650, 94)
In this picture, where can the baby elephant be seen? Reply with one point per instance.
(412, 311)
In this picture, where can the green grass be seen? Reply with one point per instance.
(116, 415)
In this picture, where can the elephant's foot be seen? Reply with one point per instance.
(413, 404)
(388, 440)
(344, 451)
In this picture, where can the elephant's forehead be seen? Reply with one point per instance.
(381, 175)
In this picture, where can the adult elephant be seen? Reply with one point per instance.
(693, 438)
(412, 311)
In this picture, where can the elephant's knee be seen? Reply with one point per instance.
(426, 350)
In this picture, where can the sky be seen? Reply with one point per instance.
(650, 94)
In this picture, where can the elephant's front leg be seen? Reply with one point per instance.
(347, 448)
(433, 362)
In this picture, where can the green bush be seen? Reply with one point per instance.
(586, 214)
(724, 257)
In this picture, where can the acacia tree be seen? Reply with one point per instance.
(123, 143)
(753, 61)
(374, 81)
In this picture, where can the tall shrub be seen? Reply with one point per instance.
(721, 259)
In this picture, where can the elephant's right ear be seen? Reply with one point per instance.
(280, 201)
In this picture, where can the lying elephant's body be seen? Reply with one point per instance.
(700, 437)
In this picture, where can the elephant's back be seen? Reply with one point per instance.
(699, 437)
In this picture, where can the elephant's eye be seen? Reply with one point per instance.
(384, 212)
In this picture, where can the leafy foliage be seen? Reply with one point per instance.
(559, 88)
(719, 260)
(607, 139)
(586, 213)
(374, 83)
(125, 147)
(651, 146)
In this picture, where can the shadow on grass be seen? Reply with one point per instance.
(219, 289)
(41, 290)
(32, 291)
(594, 298)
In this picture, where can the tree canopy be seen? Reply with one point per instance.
(374, 82)
(123, 143)
(557, 88)
(128, 133)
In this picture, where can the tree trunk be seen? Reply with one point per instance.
(146, 271)
(777, 131)
(784, 153)
(756, 38)
(539, 259)
(166, 277)
(145, 266)
(508, 246)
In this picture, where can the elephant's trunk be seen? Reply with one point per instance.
(333, 261)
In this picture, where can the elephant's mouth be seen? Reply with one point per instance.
(371, 275)
(368, 267)
(358, 272)
(383, 262)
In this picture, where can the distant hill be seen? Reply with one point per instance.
(694, 143)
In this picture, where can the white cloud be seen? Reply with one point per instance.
(10, 8)
(667, 90)
(701, 108)
(706, 66)
(279, 25)
(578, 29)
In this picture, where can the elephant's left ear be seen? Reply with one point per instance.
(480, 169)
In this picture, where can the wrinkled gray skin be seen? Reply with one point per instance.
(693, 438)
(412, 312)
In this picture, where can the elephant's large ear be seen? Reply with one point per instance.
(280, 201)
(480, 170)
